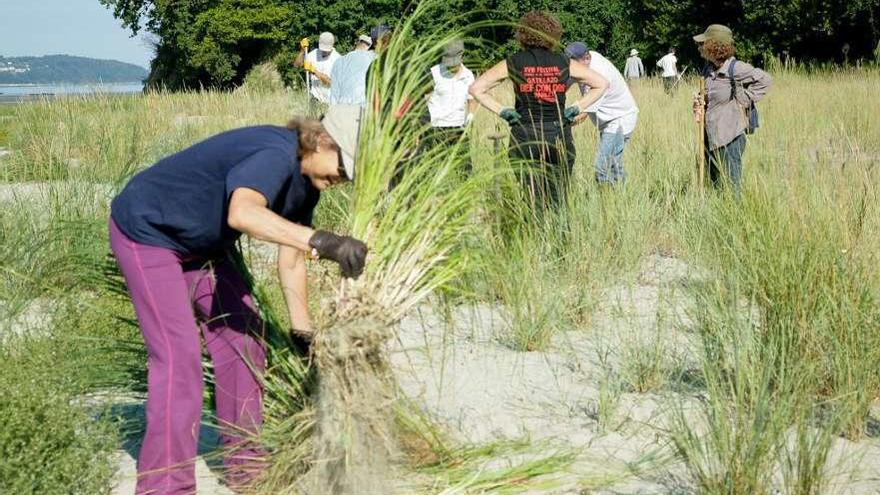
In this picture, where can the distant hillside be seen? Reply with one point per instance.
(67, 69)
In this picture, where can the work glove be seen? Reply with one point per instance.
(349, 252)
(304, 43)
(309, 67)
(571, 113)
(511, 116)
(301, 340)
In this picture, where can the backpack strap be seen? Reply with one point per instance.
(730, 73)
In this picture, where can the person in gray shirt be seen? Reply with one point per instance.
(732, 87)
(634, 69)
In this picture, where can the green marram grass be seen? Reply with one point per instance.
(785, 314)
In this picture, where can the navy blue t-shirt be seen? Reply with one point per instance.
(182, 202)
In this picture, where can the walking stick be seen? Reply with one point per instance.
(680, 76)
(701, 138)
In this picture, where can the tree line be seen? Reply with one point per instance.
(213, 43)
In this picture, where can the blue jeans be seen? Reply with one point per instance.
(726, 163)
(609, 160)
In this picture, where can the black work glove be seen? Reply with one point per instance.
(301, 341)
(349, 252)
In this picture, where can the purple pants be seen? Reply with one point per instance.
(174, 299)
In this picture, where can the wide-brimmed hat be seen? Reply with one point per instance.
(453, 53)
(633, 52)
(326, 41)
(715, 32)
(343, 124)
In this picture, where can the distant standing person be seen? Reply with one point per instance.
(540, 123)
(732, 87)
(670, 70)
(319, 64)
(615, 114)
(450, 103)
(634, 69)
(348, 80)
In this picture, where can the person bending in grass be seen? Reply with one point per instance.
(173, 231)
(540, 123)
(732, 88)
(615, 114)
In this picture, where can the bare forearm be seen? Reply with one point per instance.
(293, 277)
(300, 58)
(485, 99)
(592, 79)
(324, 78)
(590, 97)
(485, 83)
(261, 223)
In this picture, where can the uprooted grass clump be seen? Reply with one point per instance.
(354, 441)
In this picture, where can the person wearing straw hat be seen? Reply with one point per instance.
(634, 69)
(319, 65)
(348, 83)
(615, 114)
(732, 87)
(540, 122)
(173, 231)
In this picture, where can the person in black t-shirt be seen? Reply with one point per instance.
(540, 123)
(173, 231)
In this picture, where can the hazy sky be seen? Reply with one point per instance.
(71, 27)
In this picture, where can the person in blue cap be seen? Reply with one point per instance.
(615, 114)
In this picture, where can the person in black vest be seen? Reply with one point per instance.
(540, 123)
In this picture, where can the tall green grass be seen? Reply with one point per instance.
(786, 297)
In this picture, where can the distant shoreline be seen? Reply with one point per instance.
(65, 84)
(18, 93)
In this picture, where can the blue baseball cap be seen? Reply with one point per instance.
(377, 32)
(576, 50)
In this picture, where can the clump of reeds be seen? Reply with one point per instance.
(415, 231)
(354, 441)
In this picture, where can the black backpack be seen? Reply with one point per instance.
(751, 113)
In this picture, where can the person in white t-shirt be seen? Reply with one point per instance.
(450, 103)
(319, 64)
(615, 114)
(670, 71)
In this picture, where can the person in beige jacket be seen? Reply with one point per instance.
(732, 86)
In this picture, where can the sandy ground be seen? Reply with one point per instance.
(483, 391)
(577, 396)
(208, 467)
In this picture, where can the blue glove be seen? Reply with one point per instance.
(510, 116)
(571, 113)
